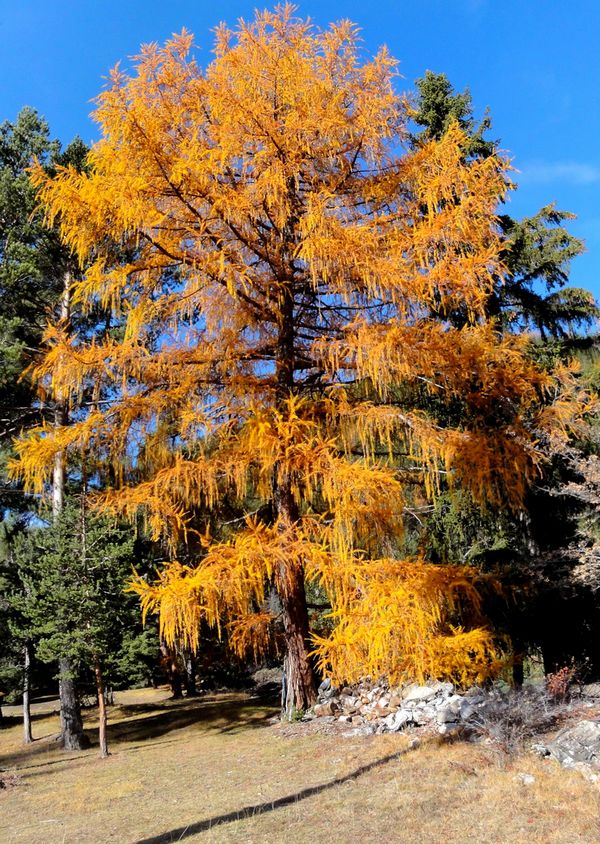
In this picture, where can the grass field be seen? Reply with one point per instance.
(219, 769)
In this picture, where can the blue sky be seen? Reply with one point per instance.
(535, 64)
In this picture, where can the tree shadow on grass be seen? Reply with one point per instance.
(145, 722)
(9, 721)
(246, 812)
(73, 760)
(222, 716)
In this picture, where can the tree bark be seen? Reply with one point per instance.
(518, 672)
(170, 662)
(72, 735)
(299, 687)
(61, 417)
(27, 734)
(102, 718)
(190, 675)
(300, 690)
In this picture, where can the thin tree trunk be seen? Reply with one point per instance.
(170, 662)
(102, 717)
(518, 668)
(27, 734)
(190, 675)
(60, 418)
(72, 735)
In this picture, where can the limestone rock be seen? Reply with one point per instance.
(329, 707)
(446, 715)
(590, 691)
(454, 702)
(467, 709)
(419, 693)
(526, 779)
(580, 743)
(423, 715)
(397, 720)
(349, 703)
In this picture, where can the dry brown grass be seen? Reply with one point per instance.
(217, 770)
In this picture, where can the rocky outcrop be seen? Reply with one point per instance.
(510, 719)
(576, 746)
(376, 708)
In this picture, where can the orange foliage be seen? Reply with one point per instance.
(291, 263)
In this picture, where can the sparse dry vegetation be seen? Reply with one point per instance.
(220, 769)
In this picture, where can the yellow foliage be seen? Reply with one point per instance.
(402, 620)
(290, 264)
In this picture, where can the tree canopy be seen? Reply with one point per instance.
(294, 265)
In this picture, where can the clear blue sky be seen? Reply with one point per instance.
(535, 63)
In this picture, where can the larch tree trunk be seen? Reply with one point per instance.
(169, 660)
(190, 675)
(299, 682)
(300, 687)
(27, 734)
(299, 690)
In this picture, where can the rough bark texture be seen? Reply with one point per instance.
(102, 718)
(27, 734)
(190, 676)
(170, 662)
(299, 689)
(72, 735)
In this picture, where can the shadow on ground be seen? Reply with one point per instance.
(10, 720)
(148, 722)
(214, 714)
(182, 832)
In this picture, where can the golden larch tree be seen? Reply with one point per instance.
(291, 262)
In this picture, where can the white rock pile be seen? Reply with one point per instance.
(576, 746)
(379, 709)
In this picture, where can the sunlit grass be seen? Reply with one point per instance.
(184, 769)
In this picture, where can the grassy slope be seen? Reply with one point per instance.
(177, 766)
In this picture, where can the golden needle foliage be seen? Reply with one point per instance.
(290, 264)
